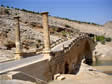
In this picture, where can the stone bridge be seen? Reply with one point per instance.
(64, 58)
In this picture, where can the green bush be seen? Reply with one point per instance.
(2, 5)
(67, 26)
(7, 11)
(54, 29)
(103, 42)
(108, 39)
(63, 33)
(12, 7)
(17, 8)
(100, 38)
(8, 7)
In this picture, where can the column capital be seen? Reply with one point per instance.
(44, 13)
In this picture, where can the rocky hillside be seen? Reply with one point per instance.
(108, 28)
(108, 24)
(32, 32)
(31, 28)
(33, 18)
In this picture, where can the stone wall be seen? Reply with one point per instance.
(65, 60)
(38, 70)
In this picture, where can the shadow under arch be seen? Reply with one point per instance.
(88, 54)
(66, 67)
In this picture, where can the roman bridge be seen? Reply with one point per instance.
(64, 57)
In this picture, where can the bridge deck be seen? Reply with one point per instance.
(8, 66)
(60, 46)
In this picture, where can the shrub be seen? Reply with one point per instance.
(67, 26)
(63, 33)
(17, 8)
(2, 5)
(12, 7)
(16, 14)
(7, 11)
(7, 6)
(54, 29)
(103, 42)
(24, 10)
(108, 39)
(100, 38)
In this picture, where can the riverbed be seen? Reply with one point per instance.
(104, 66)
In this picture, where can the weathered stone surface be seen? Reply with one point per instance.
(86, 75)
(103, 52)
(94, 81)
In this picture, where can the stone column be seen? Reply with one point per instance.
(46, 33)
(18, 41)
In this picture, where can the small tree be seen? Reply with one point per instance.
(64, 33)
(108, 39)
(8, 7)
(100, 39)
(67, 26)
(7, 11)
(2, 5)
(12, 7)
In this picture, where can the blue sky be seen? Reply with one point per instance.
(97, 11)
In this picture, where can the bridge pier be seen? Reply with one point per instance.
(46, 32)
(18, 41)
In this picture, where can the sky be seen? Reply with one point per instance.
(97, 11)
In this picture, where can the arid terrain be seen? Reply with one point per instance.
(60, 28)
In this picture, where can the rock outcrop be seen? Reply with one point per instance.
(86, 75)
(103, 52)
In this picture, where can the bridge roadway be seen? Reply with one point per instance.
(13, 65)
(61, 45)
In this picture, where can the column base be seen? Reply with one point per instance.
(46, 51)
(17, 56)
(47, 54)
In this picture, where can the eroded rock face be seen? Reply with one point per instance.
(108, 29)
(103, 52)
(108, 24)
(29, 37)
